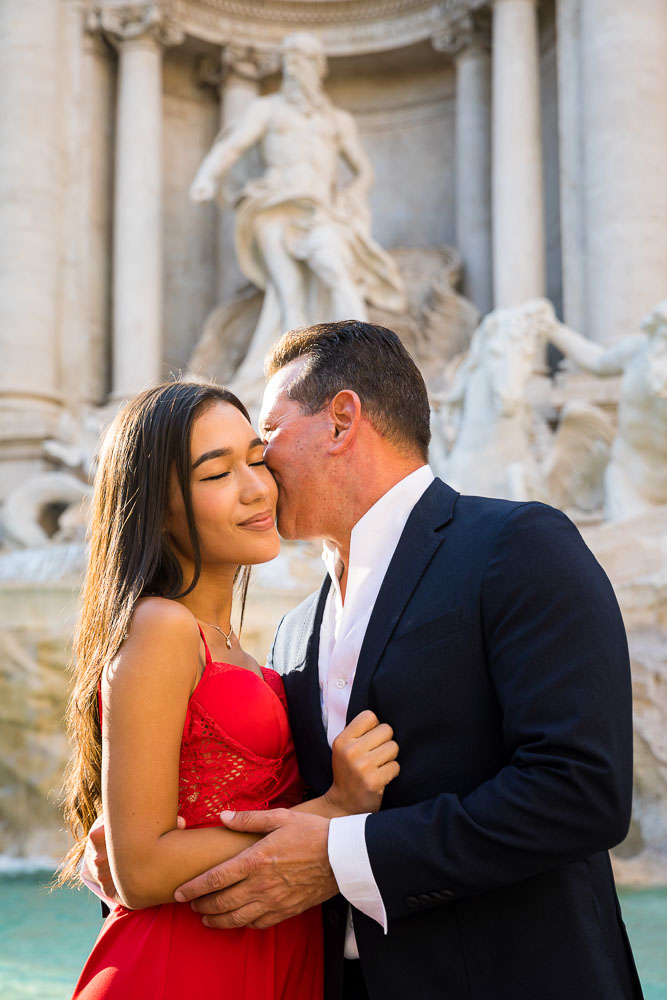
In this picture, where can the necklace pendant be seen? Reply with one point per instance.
(229, 645)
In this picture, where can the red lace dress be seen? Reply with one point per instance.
(236, 753)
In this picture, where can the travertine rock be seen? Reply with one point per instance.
(634, 555)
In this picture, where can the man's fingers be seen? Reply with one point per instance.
(242, 917)
(238, 868)
(265, 821)
(96, 834)
(215, 879)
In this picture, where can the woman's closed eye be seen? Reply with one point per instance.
(221, 475)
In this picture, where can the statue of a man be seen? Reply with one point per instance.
(636, 477)
(301, 236)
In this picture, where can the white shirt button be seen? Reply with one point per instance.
(341, 682)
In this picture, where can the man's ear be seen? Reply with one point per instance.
(345, 414)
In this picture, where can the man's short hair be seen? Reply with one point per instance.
(370, 360)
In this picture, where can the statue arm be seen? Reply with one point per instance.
(230, 145)
(354, 155)
(592, 357)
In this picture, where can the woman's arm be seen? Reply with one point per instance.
(364, 762)
(145, 698)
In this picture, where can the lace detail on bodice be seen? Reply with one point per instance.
(218, 773)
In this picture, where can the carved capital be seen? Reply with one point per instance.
(129, 22)
(249, 63)
(237, 61)
(465, 24)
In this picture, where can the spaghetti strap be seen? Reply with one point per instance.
(209, 658)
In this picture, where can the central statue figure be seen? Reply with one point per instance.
(300, 235)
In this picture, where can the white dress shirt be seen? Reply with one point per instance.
(372, 546)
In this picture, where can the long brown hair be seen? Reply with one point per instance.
(129, 558)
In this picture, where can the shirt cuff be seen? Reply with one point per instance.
(348, 856)
(87, 880)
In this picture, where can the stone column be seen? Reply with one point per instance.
(570, 162)
(465, 35)
(518, 211)
(239, 79)
(31, 195)
(624, 76)
(96, 198)
(139, 32)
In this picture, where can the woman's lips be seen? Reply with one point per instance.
(259, 522)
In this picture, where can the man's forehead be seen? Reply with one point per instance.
(276, 399)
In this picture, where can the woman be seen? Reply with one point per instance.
(171, 717)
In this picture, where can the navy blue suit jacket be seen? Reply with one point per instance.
(497, 653)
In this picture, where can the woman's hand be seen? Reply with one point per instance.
(364, 762)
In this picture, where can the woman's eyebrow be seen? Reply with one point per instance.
(208, 455)
(223, 452)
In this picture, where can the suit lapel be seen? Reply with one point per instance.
(416, 547)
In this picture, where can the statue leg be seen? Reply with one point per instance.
(285, 273)
(329, 260)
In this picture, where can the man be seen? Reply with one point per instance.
(485, 633)
(300, 235)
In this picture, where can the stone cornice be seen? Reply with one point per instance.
(346, 27)
(464, 24)
(128, 22)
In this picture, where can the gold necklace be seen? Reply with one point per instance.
(222, 632)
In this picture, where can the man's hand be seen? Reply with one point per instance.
(96, 858)
(283, 874)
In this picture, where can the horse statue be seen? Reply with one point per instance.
(498, 413)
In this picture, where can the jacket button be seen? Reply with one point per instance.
(446, 894)
(412, 901)
(424, 897)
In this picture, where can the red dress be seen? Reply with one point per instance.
(236, 753)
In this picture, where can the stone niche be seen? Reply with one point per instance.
(403, 104)
(384, 69)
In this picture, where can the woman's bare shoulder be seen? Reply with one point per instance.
(161, 612)
(162, 635)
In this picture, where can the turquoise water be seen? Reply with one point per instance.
(45, 937)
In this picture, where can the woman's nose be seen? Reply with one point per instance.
(254, 486)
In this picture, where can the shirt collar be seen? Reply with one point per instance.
(375, 535)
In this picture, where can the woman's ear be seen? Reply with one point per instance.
(345, 413)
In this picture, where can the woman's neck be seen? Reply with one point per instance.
(211, 599)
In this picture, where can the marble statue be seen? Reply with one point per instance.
(52, 506)
(496, 417)
(485, 409)
(300, 236)
(636, 476)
